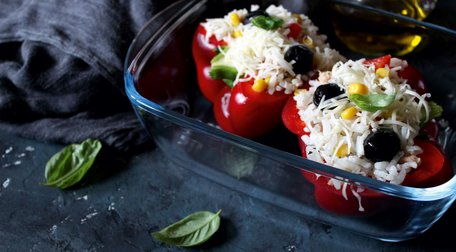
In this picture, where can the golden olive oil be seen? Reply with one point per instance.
(375, 35)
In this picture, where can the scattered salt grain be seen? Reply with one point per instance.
(66, 218)
(111, 206)
(6, 183)
(88, 216)
(290, 248)
(85, 197)
(53, 229)
(29, 148)
(20, 155)
(17, 162)
(10, 149)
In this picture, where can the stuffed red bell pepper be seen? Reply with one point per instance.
(250, 62)
(369, 117)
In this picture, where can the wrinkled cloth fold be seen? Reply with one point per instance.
(61, 67)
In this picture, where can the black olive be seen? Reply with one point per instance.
(329, 91)
(256, 13)
(302, 56)
(382, 145)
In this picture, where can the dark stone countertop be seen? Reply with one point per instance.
(118, 211)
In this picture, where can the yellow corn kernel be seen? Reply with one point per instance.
(259, 85)
(358, 88)
(298, 18)
(299, 91)
(342, 151)
(234, 18)
(349, 113)
(236, 34)
(308, 41)
(387, 114)
(267, 80)
(382, 72)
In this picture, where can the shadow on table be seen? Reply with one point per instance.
(109, 163)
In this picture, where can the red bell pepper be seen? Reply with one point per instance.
(295, 30)
(414, 78)
(433, 170)
(356, 202)
(203, 52)
(246, 112)
(378, 62)
(291, 118)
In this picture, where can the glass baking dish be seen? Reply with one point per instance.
(160, 81)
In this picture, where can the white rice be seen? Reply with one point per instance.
(328, 131)
(259, 53)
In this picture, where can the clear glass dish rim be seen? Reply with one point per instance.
(442, 191)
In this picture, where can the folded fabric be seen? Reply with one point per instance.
(61, 65)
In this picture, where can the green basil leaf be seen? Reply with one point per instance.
(372, 102)
(218, 49)
(267, 23)
(190, 231)
(217, 58)
(221, 72)
(436, 110)
(68, 166)
(229, 82)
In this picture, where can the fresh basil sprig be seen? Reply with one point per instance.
(68, 166)
(436, 110)
(225, 73)
(267, 23)
(217, 57)
(372, 102)
(219, 49)
(190, 231)
(229, 82)
(221, 70)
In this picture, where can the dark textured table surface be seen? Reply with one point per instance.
(117, 211)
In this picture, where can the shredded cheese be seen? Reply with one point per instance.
(259, 53)
(328, 130)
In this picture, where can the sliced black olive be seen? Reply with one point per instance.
(302, 57)
(253, 14)
(382, 145)
(328, 91)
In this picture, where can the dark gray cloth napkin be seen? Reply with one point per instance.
(61, 69)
